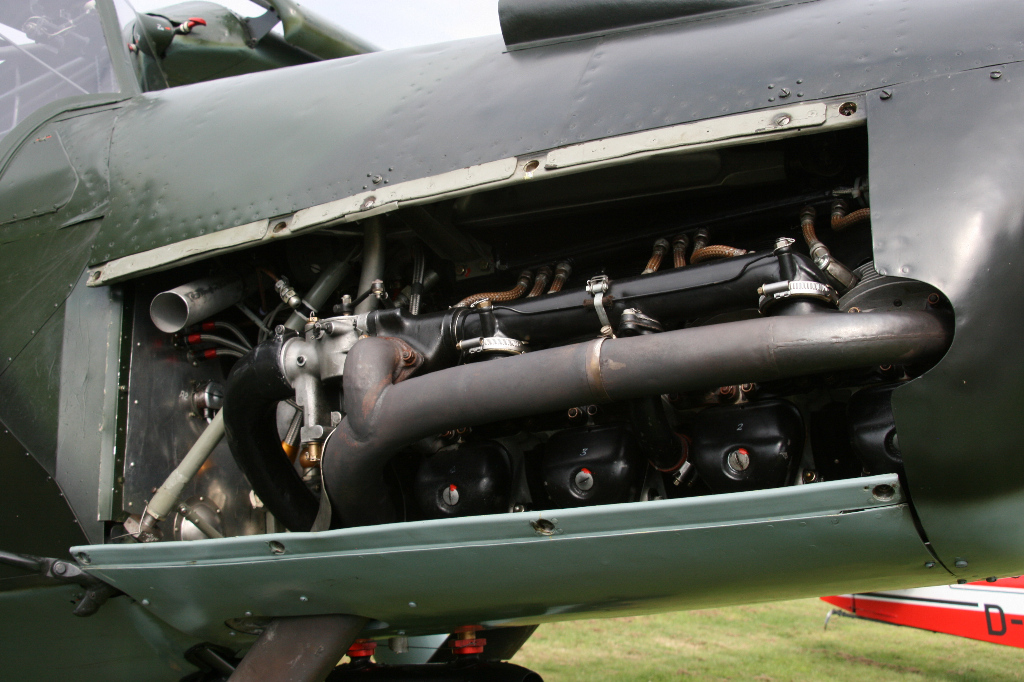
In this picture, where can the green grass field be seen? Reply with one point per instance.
(768, 642)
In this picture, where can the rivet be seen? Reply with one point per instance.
(996, 75)
(929, 564)
(961, 563)
(412, 605)
(144, 602)
(303, 599)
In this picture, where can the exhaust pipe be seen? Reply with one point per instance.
(194, 302)
(382, 417)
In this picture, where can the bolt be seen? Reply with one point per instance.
(810, 476)
(933, 299)
(408, 358)
(584, 479)
(996, 75)
(573, 413)
(450, 495)
(885, 94)
(961, 563)
(300, 361)
(739, 460)
(460, 270)
(727, 391)
(784, 92)
(60, 568)
(929, 564)
(279, 330)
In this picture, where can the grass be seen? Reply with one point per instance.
(767, 642)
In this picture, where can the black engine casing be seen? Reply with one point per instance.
(769, 432)
(610, 455)
(480, 473)
(873, 430)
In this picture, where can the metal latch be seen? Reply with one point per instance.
(598, 287)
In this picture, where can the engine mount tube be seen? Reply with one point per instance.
(382, 417)
(255, 386)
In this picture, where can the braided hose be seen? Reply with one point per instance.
(541, 283)
(679, 246)
(660, 249)
(715, 251)
(840, 223)
(562, 272)
(525, 277)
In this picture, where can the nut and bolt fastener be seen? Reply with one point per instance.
(739, 459)
(885, 94)
(60, 568)
(450, 495)
(584, 479)
(408, 358)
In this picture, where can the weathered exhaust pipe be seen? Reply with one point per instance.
(194, 302)
(382, 417)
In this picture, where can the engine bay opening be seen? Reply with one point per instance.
(690, 324)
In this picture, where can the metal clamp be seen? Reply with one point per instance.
(497, 345)
(598, 287)
(777, 291)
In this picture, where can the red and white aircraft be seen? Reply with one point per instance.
(989, 611)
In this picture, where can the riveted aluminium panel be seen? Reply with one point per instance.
(429, 576)
(947, 167)
(274, 143)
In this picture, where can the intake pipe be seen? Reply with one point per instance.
(382, 416)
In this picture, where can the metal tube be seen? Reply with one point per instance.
(318, 294)
(382, 417)
(191, 303)
(301, 649)
(167, 495)
(373, 262)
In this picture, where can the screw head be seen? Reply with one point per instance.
(376, 179)
(584, 479)
(885, 94)
(996, 75)
(450, 495)
(303, 599)
(929, 564)
(60, 568)
(961, 563)
(784, 92)
(144, 602)
(738, 460)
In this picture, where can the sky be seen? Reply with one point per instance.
(389, 24)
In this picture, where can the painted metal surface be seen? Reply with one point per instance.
(946, 172)
(410, 114)
(631, 557)
(120, 642)
(990, 610)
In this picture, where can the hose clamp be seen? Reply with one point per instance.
(778, 291)
(598, 287)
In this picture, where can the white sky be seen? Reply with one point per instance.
(388, 24)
